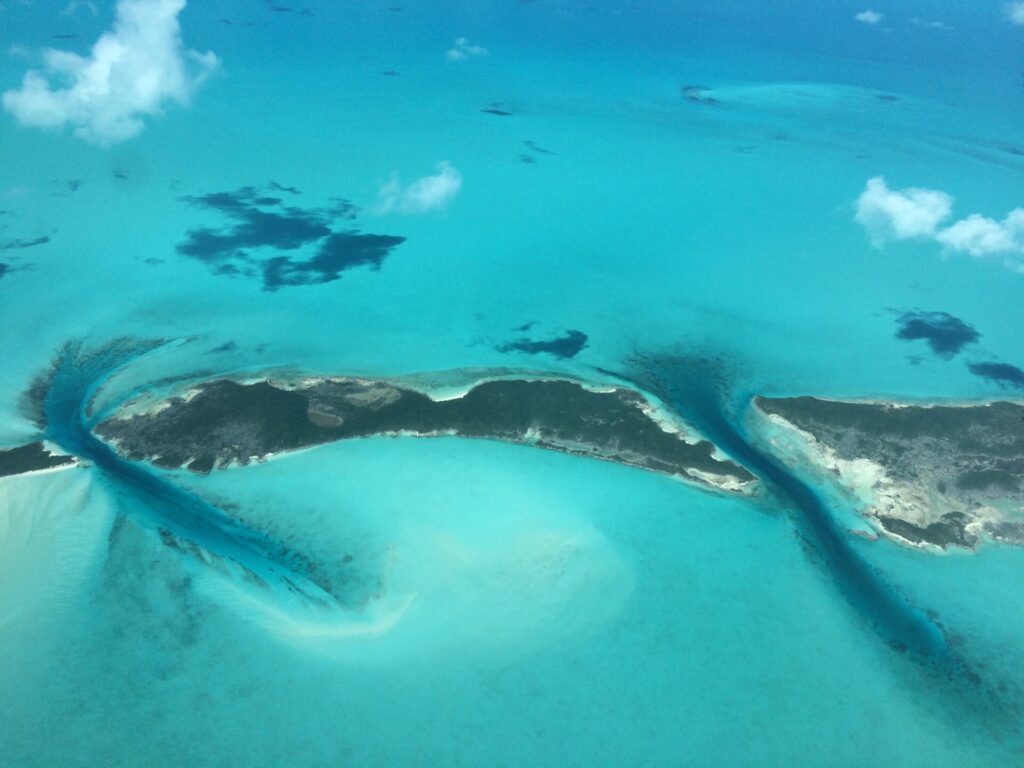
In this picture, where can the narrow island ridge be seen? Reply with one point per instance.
(928, 476)
(33, 457)
(224, 422)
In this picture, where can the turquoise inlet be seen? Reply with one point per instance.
(473, 383)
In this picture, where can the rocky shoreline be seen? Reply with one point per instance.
(226, 422)
(934, 476)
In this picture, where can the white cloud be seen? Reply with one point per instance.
(131, 71)
(890, 214)
(869, 17)
(981, 236)
(73, 5)
(917, 21)
(1015, 12)
(915, 214)
(425, 194)
(464, 49)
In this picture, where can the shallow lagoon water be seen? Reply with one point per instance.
(532, 608)
(593, 615)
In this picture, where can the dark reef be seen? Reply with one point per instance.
(20, 243)
(951, 466)
(228, 422)
(257, 221)
(30, 458)
(697, 94)
(945, 334)
(533, 145)
(227, 346)
(1004, 374)
(563, 347)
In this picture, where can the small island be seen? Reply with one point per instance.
(223, 422)
(926, 475)
(34, 457)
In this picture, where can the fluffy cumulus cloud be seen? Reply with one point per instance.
(132, 71)
(464, 49)
(918, 214)
(426, 194)
(1015, 12)
(981, 236)
(868, 17)
(890, 214)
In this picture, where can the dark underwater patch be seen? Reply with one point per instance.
(18, 244)
(257, 221)
(944, 333)
(66, 187)
(696, 94)
(4, 269)
(227, 346)
(278, 8)
(1003, 374)
(530, 159)
(338, 252)
(533, 145)
(563, 347)
(282, 188)
(285, 228)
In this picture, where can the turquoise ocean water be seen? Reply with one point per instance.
(506, 606)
